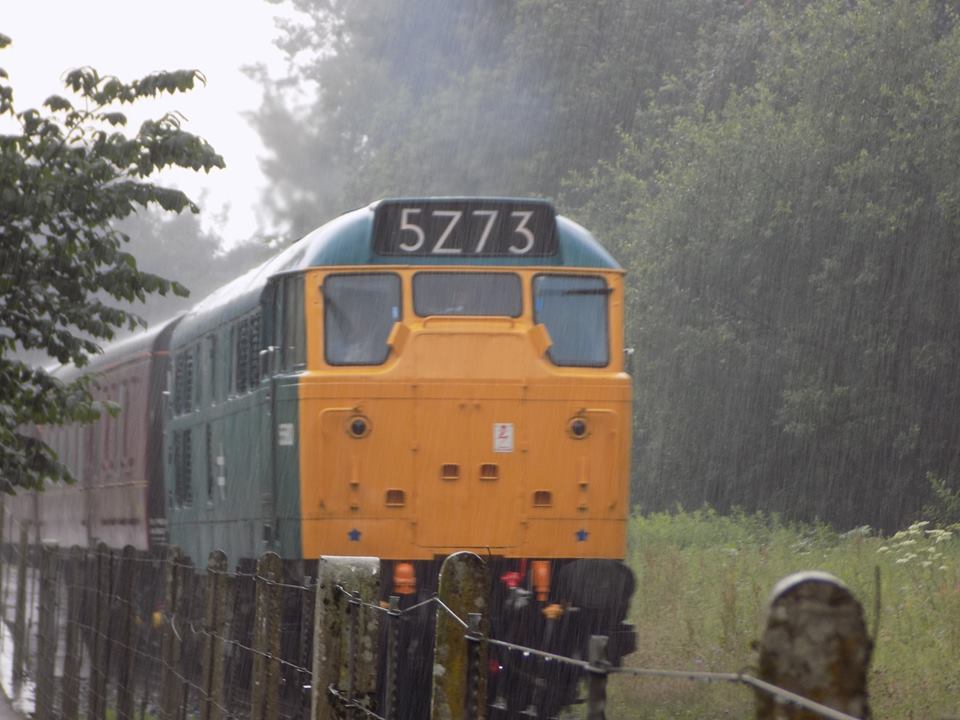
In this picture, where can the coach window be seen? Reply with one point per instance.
(446, 293)
(359, 312)
(574, 309)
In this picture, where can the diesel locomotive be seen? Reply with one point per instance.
(417, 377)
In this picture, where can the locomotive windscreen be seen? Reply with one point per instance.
(465, 228)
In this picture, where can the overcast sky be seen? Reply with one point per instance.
(131, 38)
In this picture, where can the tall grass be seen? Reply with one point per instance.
(704, 581)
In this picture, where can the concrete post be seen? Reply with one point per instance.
(815, 644)
(331, 647)
(265, 692)
(464, 589)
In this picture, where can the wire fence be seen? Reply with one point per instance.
(104, 633)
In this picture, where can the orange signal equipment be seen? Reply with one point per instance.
(404, 579)
(541, 578)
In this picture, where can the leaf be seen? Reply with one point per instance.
(115, 118)
(57, 103)
(64, 183)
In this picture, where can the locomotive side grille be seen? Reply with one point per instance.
(183, 467)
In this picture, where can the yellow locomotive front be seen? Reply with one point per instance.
(462, 400)
(464, 389)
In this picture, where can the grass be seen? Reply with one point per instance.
(704, 580)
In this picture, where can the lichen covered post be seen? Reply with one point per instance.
(815, 644)
(464, 589)
(332, 645)
(214, 623)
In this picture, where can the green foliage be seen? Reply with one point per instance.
(704, 580)
(795, 267)
(780, 179)
(436, 97)
(944, 509)
(67, 174)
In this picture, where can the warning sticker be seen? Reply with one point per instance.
(503, 437)
(285, 434)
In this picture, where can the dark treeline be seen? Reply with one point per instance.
(781, 180)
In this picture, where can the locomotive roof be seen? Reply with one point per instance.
(348, 240)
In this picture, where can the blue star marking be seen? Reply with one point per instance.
(354, 535)
(582, 535)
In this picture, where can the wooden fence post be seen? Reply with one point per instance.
(125, 615)
(597, 678)
(330, 652)
(464, 589)
(393, 643)
(100, 664)
(171, 693)
(70, 686)
(20, 622)
(815, 644)
(265, 690)
(47, 633)
(3, 556)
(308, 603)
(214, 624)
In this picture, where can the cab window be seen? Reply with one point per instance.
(485, 294)
(359, 312)
(574, 309)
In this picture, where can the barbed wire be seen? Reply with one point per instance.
(179, 624)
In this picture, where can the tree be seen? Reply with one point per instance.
(502, 97)
(795, 268)
(67, 176)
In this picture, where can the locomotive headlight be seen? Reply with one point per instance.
(577, 427)
(358, 426)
